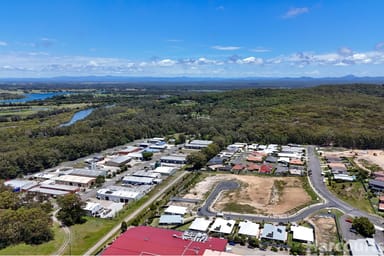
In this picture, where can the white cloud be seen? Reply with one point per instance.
(345, 51)
(30, 64)
(3, 43)
(250, 60)
(226, 48)
(379, 46)
(293, 12)
(260, 50)
(45, 42)
(220, 8)
(165, 63)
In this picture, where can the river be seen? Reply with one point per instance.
(33, 96)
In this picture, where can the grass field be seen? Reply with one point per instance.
(29, 110)
(352, 193)
(84, 235)
(42, 249)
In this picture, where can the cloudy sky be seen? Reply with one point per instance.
(196, 38)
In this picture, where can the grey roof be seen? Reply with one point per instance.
(271, 159)
(49, 191)
(281, 169)
(274, 232)
(88, 172)
(170, 219)
(201, 142)
(176, 158)
(135, 179)
(121, 159)
(376, 183)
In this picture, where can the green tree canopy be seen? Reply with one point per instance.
(363, 226)
(197, 159)
(71, 211)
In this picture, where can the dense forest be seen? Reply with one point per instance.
(23, 219)
(343, 115)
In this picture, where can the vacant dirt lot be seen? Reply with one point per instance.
(371, 156)
(266, 195)
(325, 231)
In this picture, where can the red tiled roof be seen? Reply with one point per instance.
(296, 162)
(238, 167)
(258, 153)
(253, 167)
(251, 158)
(381, 207)
(145, 240)
(266, 168)
(378, 174)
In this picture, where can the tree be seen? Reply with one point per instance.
(71, 211)
(363, 226)
(197, 159)
(147, 155)
(180, 139)
(298, 249)
(100, 180)
(124, 226)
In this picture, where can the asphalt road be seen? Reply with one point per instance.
(332, 200)
(116, 229)
(316, 179)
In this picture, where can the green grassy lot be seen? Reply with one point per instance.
(87, 234)
(24, 111)
(352, 193)
(240, 208)
(42, 249)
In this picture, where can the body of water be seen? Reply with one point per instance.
(33, 96)
(78, 116)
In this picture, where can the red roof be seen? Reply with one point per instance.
(251, 158)
(266, 168)
(145, 240)
(381, 207)
(253, 167)
(238, 167)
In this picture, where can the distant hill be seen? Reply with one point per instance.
(201, 82)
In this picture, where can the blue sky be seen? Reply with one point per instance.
(196, 38)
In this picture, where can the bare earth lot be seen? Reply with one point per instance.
(266, 195)
(371, 156)
(325, 231)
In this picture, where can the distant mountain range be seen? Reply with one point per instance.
(242, 82)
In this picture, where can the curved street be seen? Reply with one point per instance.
(331, 201)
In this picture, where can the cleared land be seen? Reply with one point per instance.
(325, 231)
(363, 158)
(262, 195)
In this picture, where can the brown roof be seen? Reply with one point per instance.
(296, 162)
(251, 158)
(336, 165)
(378, 174)
(253, 167)
(238, 167)
(381, 206)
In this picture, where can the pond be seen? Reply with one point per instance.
(78, 116)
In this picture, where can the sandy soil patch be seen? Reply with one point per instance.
(371, 156)
(267, 195)
(325, 230)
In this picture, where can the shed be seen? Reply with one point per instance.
(200, 224)
(302, 234)
(167, 219)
